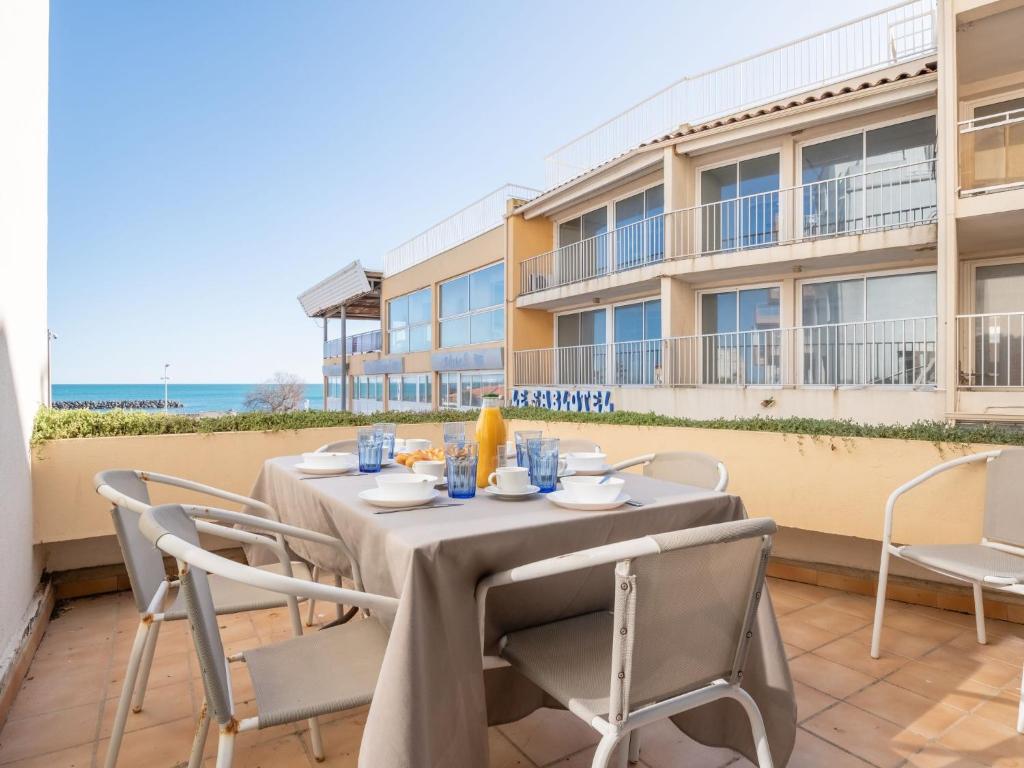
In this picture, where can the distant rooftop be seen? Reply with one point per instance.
(869, 43)
(475, 219)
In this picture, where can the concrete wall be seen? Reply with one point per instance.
(24, 35)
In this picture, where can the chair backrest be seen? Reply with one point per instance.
(1004, 490)
(339, 446)
(142, 560)
(683, 615)
(690, 467)
(576, 445)
(202, 616)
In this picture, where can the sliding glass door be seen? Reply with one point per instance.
(740, 204)
(581, 355)
(640, 228)
(741, 342)
(582, 251)
(638, 342)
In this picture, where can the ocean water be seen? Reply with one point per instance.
(197, 398)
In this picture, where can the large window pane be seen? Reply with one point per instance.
(419, 306)
(398, 312)
(999, 288)
(652, 319)
(629, 322)
(718, 312)
(833, 159)
(425, 386)
(654, 201)
(593, 327)
(419, 338)
(570, 232)
(741, 342)
(409, 389)
(837, 301)
(398, 341)
(488, 326)
(759, 309)
(455, 297)
(455, 332)
(568, 330)
(630, 210)
(900, 144)
(487, 287)
(897, 296)
(394, 387)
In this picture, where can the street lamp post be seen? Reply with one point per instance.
(165, 378)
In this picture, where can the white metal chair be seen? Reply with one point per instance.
(299, 679)
(127, 491)
(685, 605)
(339, 446)
(577, 445)
(997, 562)
(689, 467)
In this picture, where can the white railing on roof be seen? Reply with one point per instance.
(475, 219)
(876, 41)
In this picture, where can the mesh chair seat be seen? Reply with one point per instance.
(328, 671)
(568, 659)
(971, 561)
(235, 597)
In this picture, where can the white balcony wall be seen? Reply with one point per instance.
(24, 34)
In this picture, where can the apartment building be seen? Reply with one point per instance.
(849, 249)
(442, 303)
(833, 228)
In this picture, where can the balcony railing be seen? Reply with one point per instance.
(370, 341)
(887, 198)
(991, 349)
(475, 219)
(992, 152)
(871, 353)
(901, 33)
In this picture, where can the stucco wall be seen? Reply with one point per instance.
(24, 31)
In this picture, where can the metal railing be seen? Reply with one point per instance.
(475, 219)
(888, 198)
(992, 151)
(991, 349)
(868, 43)
(370, 341)
(870, 353)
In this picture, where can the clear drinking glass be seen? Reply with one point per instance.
(507, 455)
(460, 465)
(543, 452)
(454, 431)
(522, 458)
(388, 431)
(370, 442)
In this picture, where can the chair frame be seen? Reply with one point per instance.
(613, 733)
(189, 555)
(140, 659)
(647, 458)
(890, 550)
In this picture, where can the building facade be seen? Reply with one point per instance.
(832, 229)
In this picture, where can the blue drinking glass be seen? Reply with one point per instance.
(543, 453)
(388, 431)
(370, 442)
(522, 457)
(460, 465)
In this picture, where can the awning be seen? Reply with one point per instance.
(354, 288)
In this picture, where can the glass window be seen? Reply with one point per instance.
(398, 312)
(455, 297)
(419, 337)
(837, 301)
(419, 307)
(426, 396)
(398, 341)
(637, 347)
(740, 204)
(409, 321)
(409, 388)
(487, 287)
(640, 232)
(465, 389)
(895, 296)
(900, 144)
(999, 288)
(394, 387)
(741, 342)
(472, 307)
(455, 333)
(582, 328)
(629, 322)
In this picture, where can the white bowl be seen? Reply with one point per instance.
(406, 486)
(329, 460)
(589, 489)
(585, 461)
(435, 468)
(416, 444)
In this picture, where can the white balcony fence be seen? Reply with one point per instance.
(475, 219)
(887, 198)
(992, 151)
(901, 33)
(370, 341)
(991, 349)
(872, 353)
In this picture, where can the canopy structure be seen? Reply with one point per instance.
(349, 292)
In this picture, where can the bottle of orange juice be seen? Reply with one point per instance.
(490, 433)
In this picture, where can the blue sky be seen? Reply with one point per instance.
(209, 160)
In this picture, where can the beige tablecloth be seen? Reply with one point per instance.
(432, 705)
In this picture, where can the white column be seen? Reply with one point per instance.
(946, 176)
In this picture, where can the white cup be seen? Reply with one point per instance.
(435, 468)
(510, 479)
(413, 444)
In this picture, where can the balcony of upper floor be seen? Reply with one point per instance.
(356, 344)
(843, 218)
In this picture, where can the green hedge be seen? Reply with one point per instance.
(52, 424)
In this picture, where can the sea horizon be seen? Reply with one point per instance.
(195, 398)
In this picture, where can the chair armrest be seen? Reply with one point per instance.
(938, 469)
(209, 490)
(553, 566)
(645, 459)
(247, 537)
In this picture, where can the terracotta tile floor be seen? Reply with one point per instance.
(935, 700)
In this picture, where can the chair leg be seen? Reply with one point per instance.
(195, 760)
(764, 755)
(634, 746)
(605, 751)
(225, 748)
(296, 617)
(1020, 709)
(312, 603)
(316, 741)
(979, 613)
(883, 583)
(130, 676)
(339, 609)
(147, 663)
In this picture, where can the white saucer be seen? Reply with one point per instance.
(588, 472)
(376, 497)
(307, 469)
(561, 498)
(493, 490)
(386, 462)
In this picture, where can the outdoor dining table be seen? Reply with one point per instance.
(434, 701)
